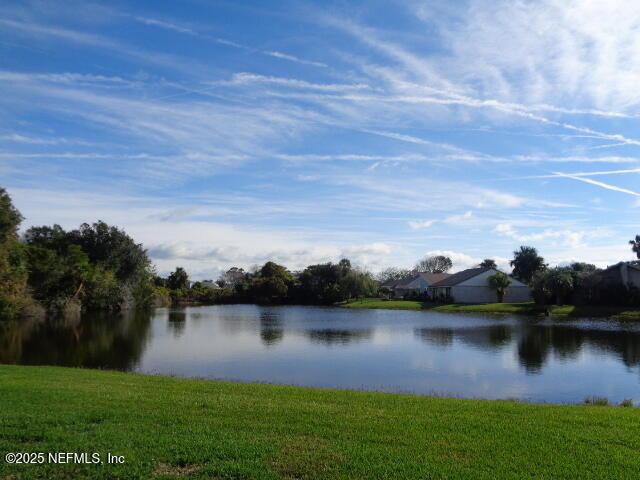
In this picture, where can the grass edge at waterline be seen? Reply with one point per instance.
(524, 308)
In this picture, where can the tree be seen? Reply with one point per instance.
(434, 264)
(328, 283)
(357, 284)
(271, 283)
(344, 265)
(635, 246)
(499, 282)
(231, 277)
(488, 263)
(583, 267)
(526, 262)
(113, 249)
(98, 266)
(13, 273)
(178, 279)
(560, 283)
(393, 274)
(56, 276)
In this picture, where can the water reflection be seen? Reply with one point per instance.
(329, 336)
(177, 322)
(536, 343)
(103, 341)
(271, 331)
(566, 343)
(489, 338)
(476, 356)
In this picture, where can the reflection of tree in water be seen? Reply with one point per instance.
(500, 335)
(271, 331)
(533, 348)
(330, 336)
(97, 341)
(485, 338)
(177, 322)
(538, 341)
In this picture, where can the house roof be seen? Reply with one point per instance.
(634, 265)
(428, 277)
(432, 278)
(460, 277)
(405, 281)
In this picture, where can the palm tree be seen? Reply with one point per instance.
(499, 282)
(635, 245)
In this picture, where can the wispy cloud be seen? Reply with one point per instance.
(244, 78)
(166, 25)
(106, 44)
(421, 224)
(407, 138)
(293, 58)
(597, 183)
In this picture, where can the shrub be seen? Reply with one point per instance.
(597, 401)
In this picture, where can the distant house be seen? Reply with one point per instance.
(416, 284)
(625, 273)
(472, 286)
(210, 284)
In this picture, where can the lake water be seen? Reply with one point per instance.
(475, 356)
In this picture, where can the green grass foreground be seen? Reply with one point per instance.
(525, 308)
(176, 428)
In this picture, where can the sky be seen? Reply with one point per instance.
(226, 134)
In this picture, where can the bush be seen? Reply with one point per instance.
(597, 401)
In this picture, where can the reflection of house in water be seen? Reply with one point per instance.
(339, 337)
(484, 338)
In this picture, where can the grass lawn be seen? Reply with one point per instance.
(526, 308)
(175, 428)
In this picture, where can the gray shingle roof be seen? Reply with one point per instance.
(460, 277)
(432, 278)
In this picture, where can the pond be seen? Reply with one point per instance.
(462, 355)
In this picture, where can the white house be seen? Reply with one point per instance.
(472, 286)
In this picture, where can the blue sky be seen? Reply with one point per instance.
(228, 133)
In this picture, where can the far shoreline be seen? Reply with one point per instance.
(525, 308)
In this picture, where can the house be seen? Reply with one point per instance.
(416, 284)
(472, 286)
(625, 273)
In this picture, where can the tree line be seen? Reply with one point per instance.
(54, 271)
(576, 283)
(320, 284)
(99, 267)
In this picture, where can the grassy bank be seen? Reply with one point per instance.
(526, 308)
(174, 428)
